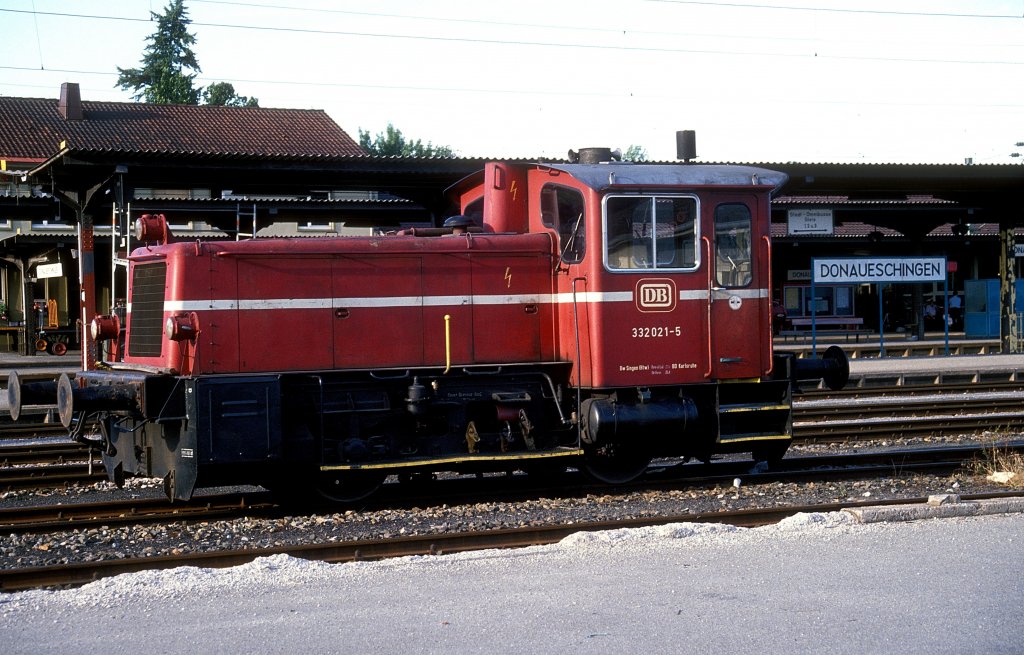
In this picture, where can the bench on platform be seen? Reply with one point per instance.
(848, 326)
(10, 335)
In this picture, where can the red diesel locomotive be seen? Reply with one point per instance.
(593, 315)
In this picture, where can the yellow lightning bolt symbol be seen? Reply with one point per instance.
(513, 190)
(508, 277)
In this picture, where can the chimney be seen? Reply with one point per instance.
(70, 106)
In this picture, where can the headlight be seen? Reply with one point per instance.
(105, 327)
(182, 327)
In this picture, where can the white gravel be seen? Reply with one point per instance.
(182, 583)
(816, 583)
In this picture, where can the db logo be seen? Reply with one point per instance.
(656, 295)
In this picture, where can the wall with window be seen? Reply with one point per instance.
(829, 300)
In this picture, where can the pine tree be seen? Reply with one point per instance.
(169, 67)
(165, 76)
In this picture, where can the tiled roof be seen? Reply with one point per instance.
(840, 229)
(857, 229)
(32, 129)
(846, 201)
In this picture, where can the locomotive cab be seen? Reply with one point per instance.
(664, 305)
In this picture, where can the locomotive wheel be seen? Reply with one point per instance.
(349, 486)
(613, 465)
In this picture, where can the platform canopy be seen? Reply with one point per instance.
(986, 193)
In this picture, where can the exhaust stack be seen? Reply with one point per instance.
(686, 145)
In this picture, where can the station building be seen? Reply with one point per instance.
(75, 174)
(868, 212)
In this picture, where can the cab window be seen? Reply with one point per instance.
(562, 209)
(733, 248)
(474, 211)
(651, 232)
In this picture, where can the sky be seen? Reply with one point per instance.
(873, 81)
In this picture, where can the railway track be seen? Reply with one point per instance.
(467, 490)
(31, 430)
(882, 386)
(430, 544)
(909, 411)
(44, 453)
(133, 511)
(51, 476)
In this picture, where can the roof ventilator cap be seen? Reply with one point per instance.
(594, 155)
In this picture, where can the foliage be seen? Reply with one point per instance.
(1001, 465)
(222, 94)
(635, 153)
(392, 143)
(169, 67)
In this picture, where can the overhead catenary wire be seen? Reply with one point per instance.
(533, 43)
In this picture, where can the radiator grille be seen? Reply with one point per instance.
(147, 321)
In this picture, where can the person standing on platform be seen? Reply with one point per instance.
(956, 314)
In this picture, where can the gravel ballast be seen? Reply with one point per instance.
(148, 540)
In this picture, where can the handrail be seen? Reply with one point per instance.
(447, 343)
(579, 363)
(768, 259)
(707, 250)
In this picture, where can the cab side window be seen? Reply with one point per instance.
(733, 248)
(562, 209)
(651, 232)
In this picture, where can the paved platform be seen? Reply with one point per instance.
(909, 366)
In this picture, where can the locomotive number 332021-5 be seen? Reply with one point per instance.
(657, 331)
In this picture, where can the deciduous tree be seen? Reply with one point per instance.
(223, 94)
(635, 153)
(392, 142)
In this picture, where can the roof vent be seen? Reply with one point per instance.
(70, 106)
(594, 156)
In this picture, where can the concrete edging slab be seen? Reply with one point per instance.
(939, 506)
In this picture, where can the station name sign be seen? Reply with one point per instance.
(49, 270)
(878, 269)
